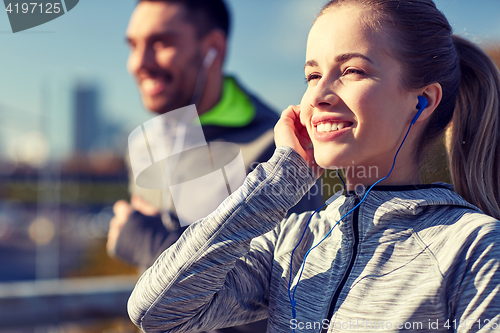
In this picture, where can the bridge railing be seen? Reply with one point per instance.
(43, 302)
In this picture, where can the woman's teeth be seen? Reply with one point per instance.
(330, 127)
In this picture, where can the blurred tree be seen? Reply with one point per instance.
(493, 51)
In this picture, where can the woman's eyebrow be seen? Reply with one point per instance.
(347, 56)
(341, 58)
(311, 63)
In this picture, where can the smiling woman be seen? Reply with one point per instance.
(385, 79)
(357, 85)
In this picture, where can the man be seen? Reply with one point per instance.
(175, 45)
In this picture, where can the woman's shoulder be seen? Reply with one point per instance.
(458, 230)
(446, 207)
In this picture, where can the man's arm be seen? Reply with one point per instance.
(143, 238)
(137, 233)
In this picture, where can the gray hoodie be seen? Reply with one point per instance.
(416, 258)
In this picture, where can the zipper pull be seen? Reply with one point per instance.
(334, 197)
(360, 190)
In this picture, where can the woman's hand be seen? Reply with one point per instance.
(289, 131)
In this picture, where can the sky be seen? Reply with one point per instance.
(267, 51)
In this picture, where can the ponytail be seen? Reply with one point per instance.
(473, 137)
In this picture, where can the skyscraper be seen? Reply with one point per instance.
(86, 121)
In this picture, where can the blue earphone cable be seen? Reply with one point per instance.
(291, 296)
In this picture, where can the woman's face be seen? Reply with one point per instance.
(355, 109)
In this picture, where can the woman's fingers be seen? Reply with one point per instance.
(286, 131)
(289, 131)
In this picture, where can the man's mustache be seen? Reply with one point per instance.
(165, 76)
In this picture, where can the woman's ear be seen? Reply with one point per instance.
(433, 93)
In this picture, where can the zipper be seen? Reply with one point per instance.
(355, 227)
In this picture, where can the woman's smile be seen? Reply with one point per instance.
(327, 127)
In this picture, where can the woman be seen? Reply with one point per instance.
(404, 255)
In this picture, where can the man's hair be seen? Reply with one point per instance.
(205, 15)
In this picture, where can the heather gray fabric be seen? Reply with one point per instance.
(425, 259)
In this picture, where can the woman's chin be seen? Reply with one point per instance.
(327, 164)
(325, 159)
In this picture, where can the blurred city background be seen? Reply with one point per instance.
(67, 105)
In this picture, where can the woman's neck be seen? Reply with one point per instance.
(367, 176)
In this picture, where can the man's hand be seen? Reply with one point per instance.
(142, 206)
(289, 131)
(122, 210)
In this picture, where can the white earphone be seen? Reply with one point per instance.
(202, 74)
(209, 58)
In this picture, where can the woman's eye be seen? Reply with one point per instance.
(312, 77)
(354, 71)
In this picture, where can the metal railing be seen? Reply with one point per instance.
(54, 301)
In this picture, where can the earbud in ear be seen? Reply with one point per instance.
(422, 104)
(210, 57)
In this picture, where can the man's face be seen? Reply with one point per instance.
(165, 55)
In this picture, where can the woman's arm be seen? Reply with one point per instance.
(475, 305)
(215, 276)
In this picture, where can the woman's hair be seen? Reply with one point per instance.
(422, 41)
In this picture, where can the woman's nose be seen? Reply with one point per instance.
(322, 96)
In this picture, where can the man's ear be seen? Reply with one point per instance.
(433, 93)
(217, 40)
